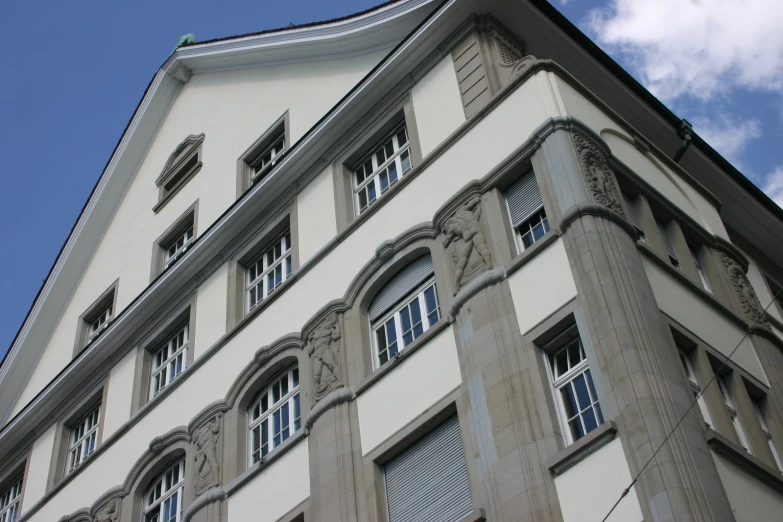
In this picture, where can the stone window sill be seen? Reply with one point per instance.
(565, 459)
(744, 460)
(529, 253)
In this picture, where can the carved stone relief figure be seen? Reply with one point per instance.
(598, 174)
(749, 301)
(206, 471)
(464, 231)
(110, 513)
(323, 347)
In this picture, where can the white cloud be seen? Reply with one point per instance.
(728, 135)
(773, 185)
(700, 47)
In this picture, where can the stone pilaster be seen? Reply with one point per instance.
(638, 363)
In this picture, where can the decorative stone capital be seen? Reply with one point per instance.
(463, 235)
(204, 443)
(599, 177)
(743, 291)
(323, 347)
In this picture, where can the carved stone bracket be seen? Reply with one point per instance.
(599, 177)
(743, 291)
(463, 234)
(204, 442)
(323, 347)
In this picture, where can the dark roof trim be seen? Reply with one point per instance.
(637, 88)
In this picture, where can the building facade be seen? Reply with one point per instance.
(433, 261)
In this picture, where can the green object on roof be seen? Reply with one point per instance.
(185, 39)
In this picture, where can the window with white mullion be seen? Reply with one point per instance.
(574, 388)
(178, 245)
(100, 322)
(275, 415)
(382, 169)
(163, 499)
(728, 400)
(533, 229)
(269, 270)
(699, 269)
(398, 328)
(83, 439)
(267, 158)
(767, 435)
(9, 501)
(169, 360)
(696, 389)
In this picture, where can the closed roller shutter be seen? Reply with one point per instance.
(429, 481)
(400, 285)
(523, 199)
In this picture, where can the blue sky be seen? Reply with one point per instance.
(76, 70)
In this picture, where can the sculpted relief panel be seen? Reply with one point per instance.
(463, 232)
(111, 513)
(206, 468)
(323, 347)
(748, 300)
(598, 175)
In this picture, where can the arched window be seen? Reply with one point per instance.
(163, 498)
(274, 415)
(404, 309)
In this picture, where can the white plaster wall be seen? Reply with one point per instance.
(315, 208)
(120, 394)
(211, 308)
(275, 490)
(497, 135)
(437, 105)
(409, 390)
(232, 108)
(681, 303)
(661, 177)
(751, 500)
(38, 469)
(588, 490)
(536, 292)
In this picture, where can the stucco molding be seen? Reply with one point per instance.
(599, 176)
(109, 512)
(159, 443)
(179, 156)
(216, 494)
(80, 515)
(334, 398)
(594, 209)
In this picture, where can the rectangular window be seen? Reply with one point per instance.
(163, 499)
(268, 271)
(9, 501)
(572, 381)
(735, 421)
(767, 434)
(382, 169)
(275, 415)
(695, 388)
(633, 216)
(704, 281)
(526, 211)
(177, 246)
(429, 480)
(414, 315)
(169, 360)
(667, 244)
(83, 439)
(99, 323)
(267, 158)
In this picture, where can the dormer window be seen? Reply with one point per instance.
(181, 166)
(175, 242)
(96, 319)
(259, 159)
(268, 158)
(99, 323)
(178, 245)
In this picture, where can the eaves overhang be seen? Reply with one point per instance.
(379, 28)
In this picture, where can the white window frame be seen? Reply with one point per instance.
(263, 423)
(9, 501)
(99, 323)
(529, 227)
(263, 266)
(728, 400)
(173, 360)
(267, 158)
(685, 359)
(395, 314)
(767, 434)
(704, 281)
(561, 343)
(83, 438)
(166, 490)
(177, 246)
(372, 181)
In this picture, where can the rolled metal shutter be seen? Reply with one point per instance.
(429, 481)
(400, 285)
(523, 199)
